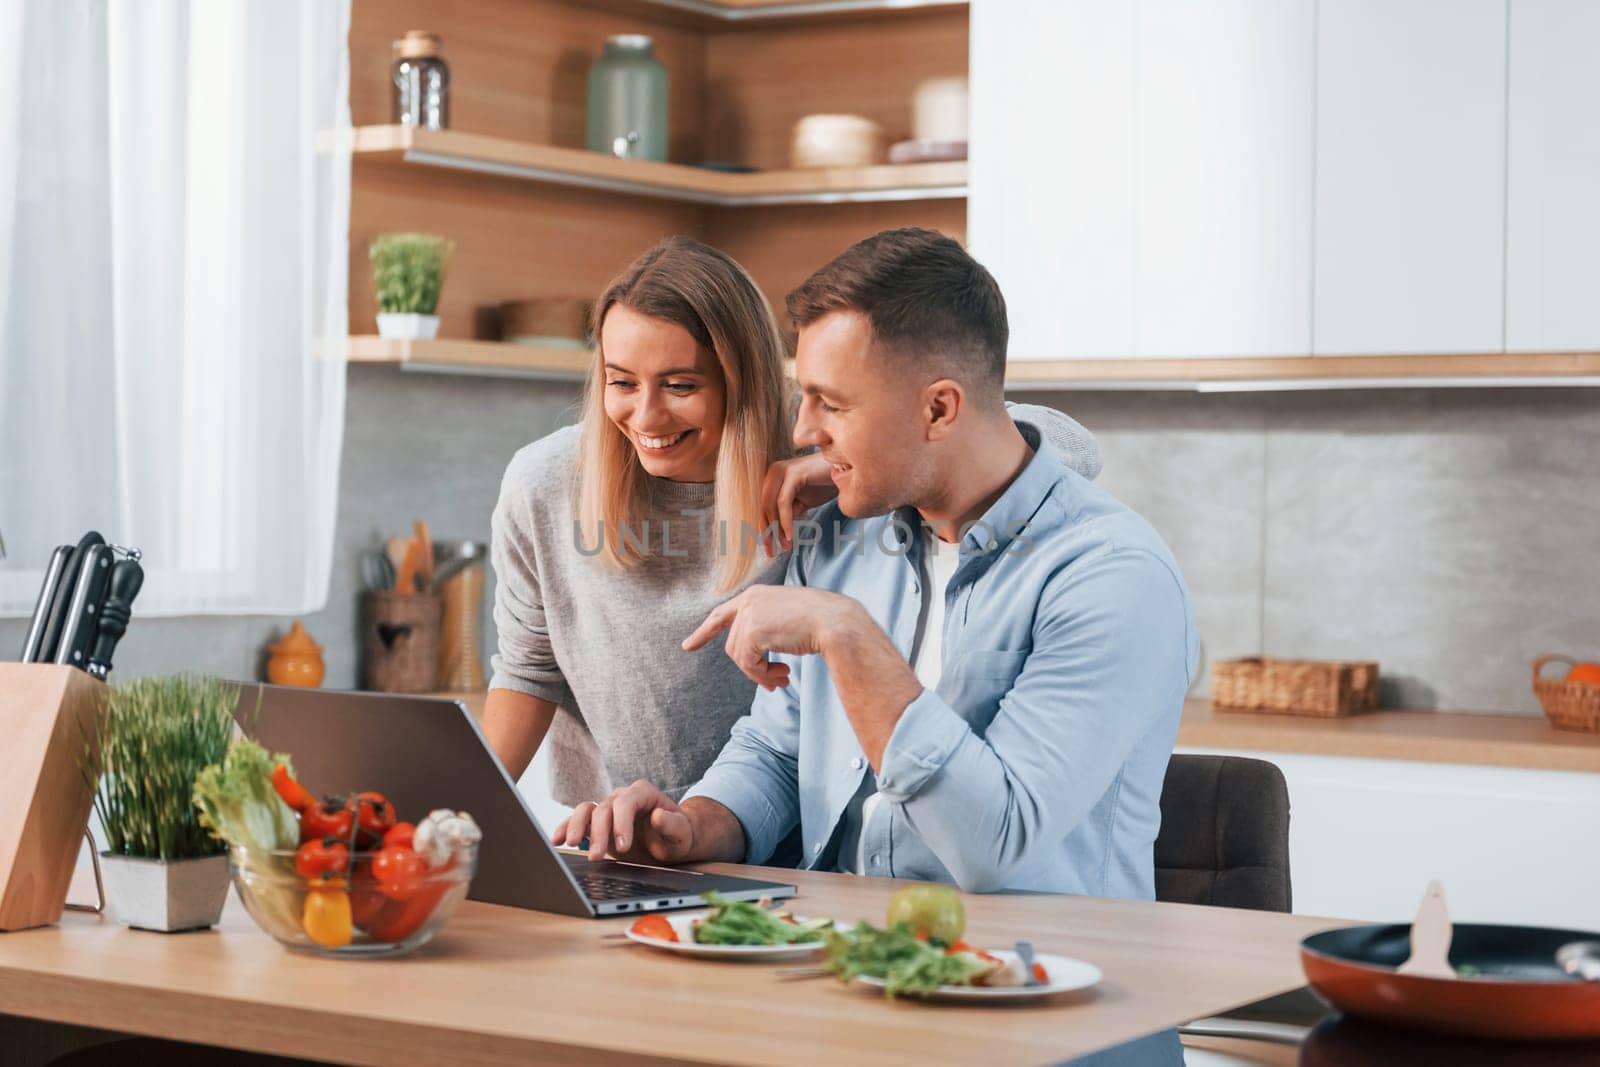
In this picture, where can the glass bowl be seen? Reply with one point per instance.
(384, 920)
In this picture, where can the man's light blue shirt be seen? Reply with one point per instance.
(1069, 642)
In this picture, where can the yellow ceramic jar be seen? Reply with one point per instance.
(296, 660)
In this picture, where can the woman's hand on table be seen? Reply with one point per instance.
(638, 823)
(791, 486)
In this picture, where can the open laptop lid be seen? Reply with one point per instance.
(427, 752)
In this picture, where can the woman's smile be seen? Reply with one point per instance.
(661, 444)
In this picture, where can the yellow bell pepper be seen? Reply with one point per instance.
(326, 917)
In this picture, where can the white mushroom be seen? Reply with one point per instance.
(444, 833)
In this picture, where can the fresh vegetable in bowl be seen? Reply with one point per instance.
(239, 803)
(337, 873)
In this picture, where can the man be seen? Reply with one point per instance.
(975, 669)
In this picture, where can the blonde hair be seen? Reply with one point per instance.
(713, 298)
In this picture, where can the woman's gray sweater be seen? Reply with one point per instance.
(602, 642)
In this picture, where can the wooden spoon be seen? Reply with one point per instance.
(395, 549)
(1430, 937)
(420, 534)
(405, 581)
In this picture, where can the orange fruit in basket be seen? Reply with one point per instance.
(1587, 673)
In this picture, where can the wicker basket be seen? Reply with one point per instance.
(1569, 705)
(1294, 686)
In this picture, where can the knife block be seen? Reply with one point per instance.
(48, 714)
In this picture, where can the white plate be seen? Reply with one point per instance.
(686, 945)
(1067, 975)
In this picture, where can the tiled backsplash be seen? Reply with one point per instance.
(1449, 534)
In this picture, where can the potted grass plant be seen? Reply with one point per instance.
(407, 272)
(163, 870)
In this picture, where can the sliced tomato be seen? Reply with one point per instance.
(1039, 974)
(655, 927)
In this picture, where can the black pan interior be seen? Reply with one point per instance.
(1524, 953)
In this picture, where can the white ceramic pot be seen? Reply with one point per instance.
(407, 327)
(836, 141)
(166, 896)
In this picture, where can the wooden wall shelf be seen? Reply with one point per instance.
(735, 11)
(552, 363)
(668, 181)
(1201, 375)
(1524, 741)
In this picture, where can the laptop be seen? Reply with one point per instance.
(427, 752)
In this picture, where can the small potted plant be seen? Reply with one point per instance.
(163, 870)
(407, 271)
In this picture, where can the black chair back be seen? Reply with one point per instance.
(1224, 836)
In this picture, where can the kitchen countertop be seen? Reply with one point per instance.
(1465, 737)
(503, 985)
(1524, 741)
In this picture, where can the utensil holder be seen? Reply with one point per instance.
(48, 713)
(401, 640)
(1325, 688)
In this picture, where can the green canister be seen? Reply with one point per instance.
(628, 100)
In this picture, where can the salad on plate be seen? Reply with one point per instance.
(732, 928)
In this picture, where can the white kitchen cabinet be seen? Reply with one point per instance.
(1223, 233)
(1553, 174)
(1510, 845)
(1051, 176)
(1140, 179)
(1410, 176)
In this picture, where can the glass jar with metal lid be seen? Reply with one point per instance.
(421, 82)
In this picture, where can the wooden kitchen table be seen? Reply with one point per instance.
(503, 986)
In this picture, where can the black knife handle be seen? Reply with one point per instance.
(83, 613)
(41, 610)
(126, 578)
(56, 620)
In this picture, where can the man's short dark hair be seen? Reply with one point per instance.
(926, 298)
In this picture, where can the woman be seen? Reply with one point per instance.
(614, 539)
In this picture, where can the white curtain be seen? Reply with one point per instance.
(174, 218)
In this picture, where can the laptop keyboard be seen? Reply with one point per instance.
(602, 887)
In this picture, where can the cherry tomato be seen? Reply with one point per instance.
(327, 858)
(374, 815)
(327, 818)
(400, 872)
(401, 833)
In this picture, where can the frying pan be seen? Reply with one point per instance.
(1512, 988)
